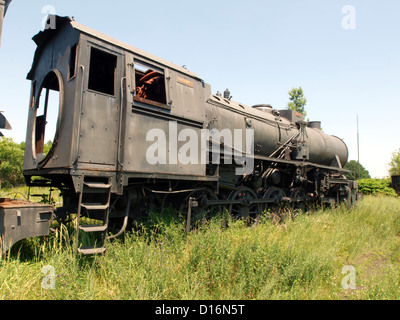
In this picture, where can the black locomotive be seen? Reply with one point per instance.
(133, 130)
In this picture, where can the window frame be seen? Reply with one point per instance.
(72, 61)
(106, 52)
(38, 143)
(150, 66)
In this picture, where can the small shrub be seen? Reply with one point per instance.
(376, 186)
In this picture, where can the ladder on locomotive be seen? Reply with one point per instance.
(94, 202)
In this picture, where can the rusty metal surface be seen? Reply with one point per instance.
(20, 219)
(17, 203)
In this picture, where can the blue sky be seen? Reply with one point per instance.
(257, 49)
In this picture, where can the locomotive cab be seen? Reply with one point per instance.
(95, 99)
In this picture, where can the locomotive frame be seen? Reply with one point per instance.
(110, 95)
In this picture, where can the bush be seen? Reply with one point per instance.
(11, 162)
(394, 164)
(376, 186)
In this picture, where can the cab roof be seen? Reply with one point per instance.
(44, 36)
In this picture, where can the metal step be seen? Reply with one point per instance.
(91, 250)
(100, 193)
(97, 185)
(95, 206)
(93, 228)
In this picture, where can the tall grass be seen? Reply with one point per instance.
(293, 259)
(36, 194)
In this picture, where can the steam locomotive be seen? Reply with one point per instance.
(133, 130)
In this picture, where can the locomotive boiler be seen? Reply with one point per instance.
(132, 131)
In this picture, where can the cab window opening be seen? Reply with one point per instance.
(47, 108)
(72, 62)
(102, 71)
(150, 83)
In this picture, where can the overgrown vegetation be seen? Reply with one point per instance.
(292, 259)
(376, 186)
(394, 164)
(357, 170)
(11, 162)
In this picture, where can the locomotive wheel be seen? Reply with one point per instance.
(346, 197)
(202, 212)
(244, 210)
(276, 194)
(300, 204)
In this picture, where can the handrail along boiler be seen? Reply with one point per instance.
(108, 96)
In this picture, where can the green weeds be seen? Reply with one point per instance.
(300, 258)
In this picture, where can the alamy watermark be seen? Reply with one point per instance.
(49, 280)
(349, 18)
(349, 280)
(165, 149)
(49, 19)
